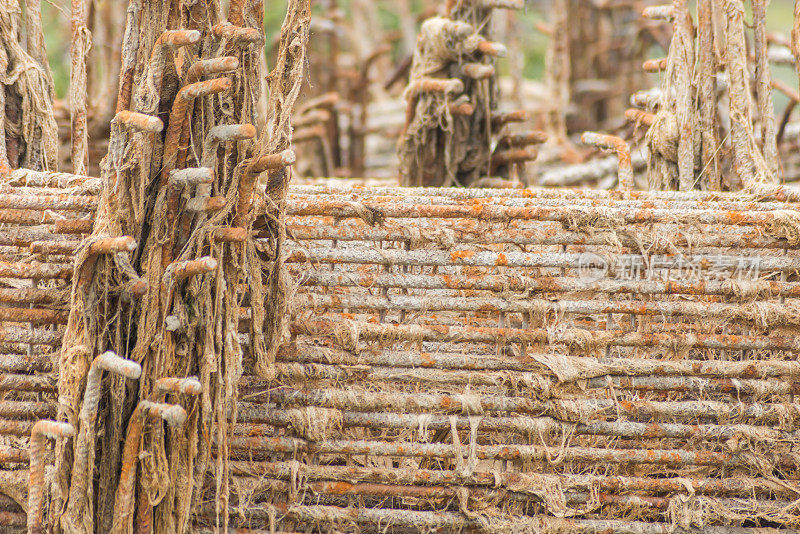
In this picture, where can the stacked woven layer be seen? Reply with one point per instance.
(488, 360)
(514, 361)
(39, 211)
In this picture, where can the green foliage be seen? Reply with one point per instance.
(57, 38)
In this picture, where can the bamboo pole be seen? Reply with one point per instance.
(766, 106)
(79, 48)
(405, 361)
(683, 40)
(707, 94)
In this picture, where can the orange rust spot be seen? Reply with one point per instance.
(457, 255)
(477, 207)
(501, 259)
(427, 361)
(735, 217)
(653, 430)
(626, 405)
(339, 488)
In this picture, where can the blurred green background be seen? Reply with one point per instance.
(534, 43)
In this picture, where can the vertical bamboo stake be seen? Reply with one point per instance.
(684, 109)
(363, 15)
(516, 56)
(739, 92)
(41, 431)
(128, 60)
(110, 20)
(795, 44)
(36, 44)
(558, 72)
(707, 94)
(408, 26)
(284, 91)
(261, 106)
(333, 82)
(4, 164)
(77, 87)
(766, 109)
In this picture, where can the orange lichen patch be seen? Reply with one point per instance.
(449, 282)
(736, 217)
(427, 360)
(476, 208)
